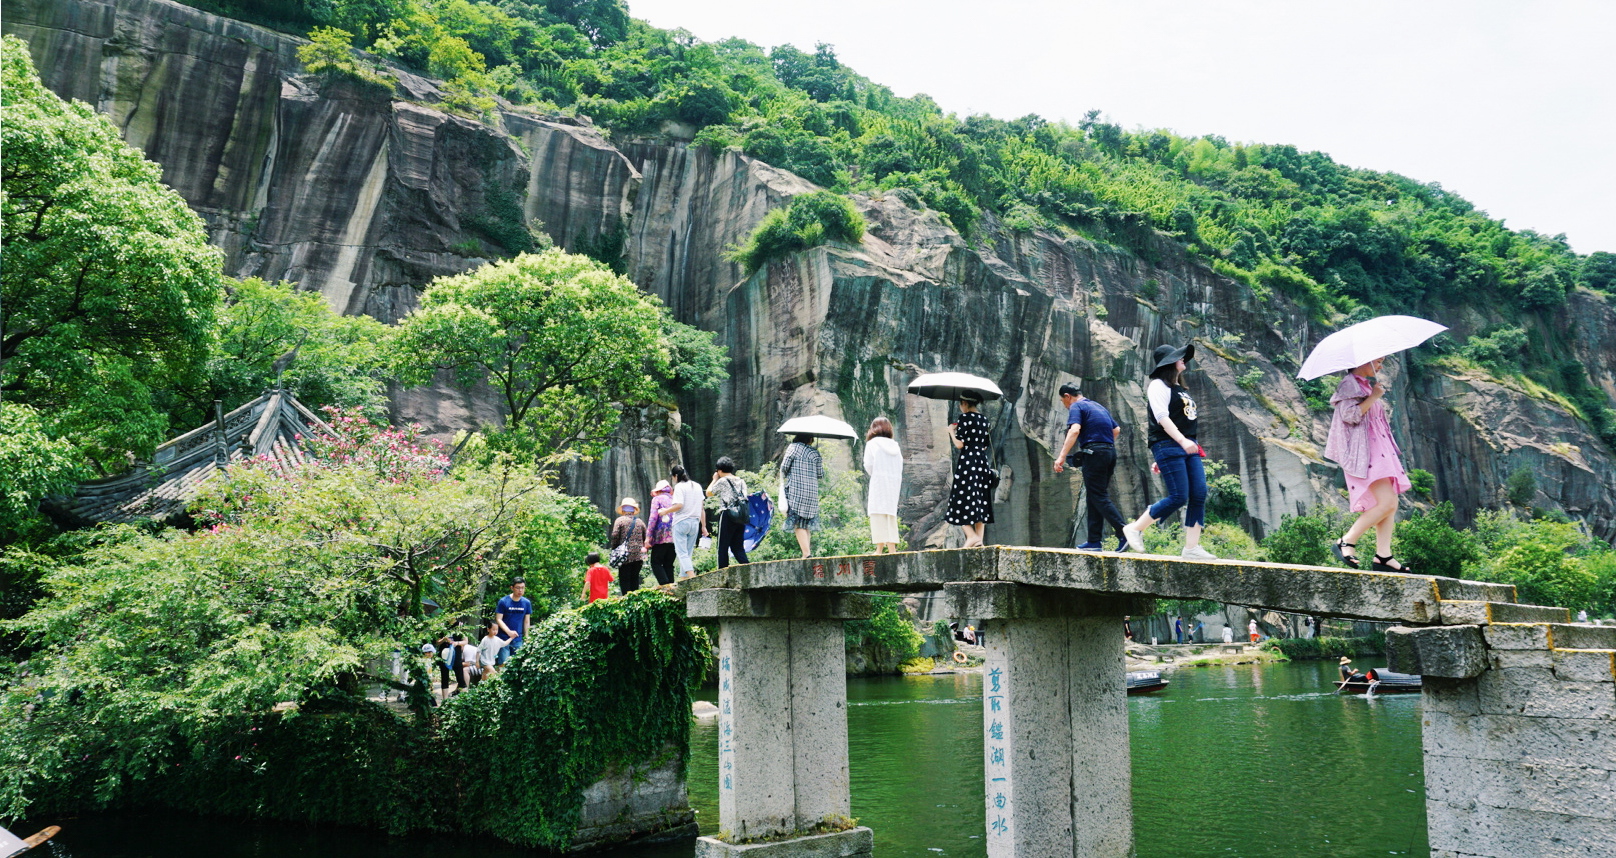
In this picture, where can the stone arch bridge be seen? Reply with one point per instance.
(1518, 717)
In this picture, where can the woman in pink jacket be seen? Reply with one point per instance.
(1361, 441)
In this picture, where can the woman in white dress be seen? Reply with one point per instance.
(883, 461)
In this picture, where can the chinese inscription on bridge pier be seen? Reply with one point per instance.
(996, 749)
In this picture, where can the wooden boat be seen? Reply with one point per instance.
(1379, 681)
(1145, 681)
(12, 845)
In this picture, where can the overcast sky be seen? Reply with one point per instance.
(1507, 102)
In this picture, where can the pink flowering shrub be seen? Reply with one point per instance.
(397, 453)
(337, 486)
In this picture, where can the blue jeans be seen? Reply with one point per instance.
(1186, 483)
(508, 650)
(685, 532)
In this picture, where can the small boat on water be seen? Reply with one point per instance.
(1378, 681)
(1145, 681)
(11, 845)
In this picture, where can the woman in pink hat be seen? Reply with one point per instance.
(660, 532)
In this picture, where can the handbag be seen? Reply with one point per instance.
(619, 555)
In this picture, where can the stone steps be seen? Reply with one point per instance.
(1464, 612)
(1582, 636)
(1459, 590)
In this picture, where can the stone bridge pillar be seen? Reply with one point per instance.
(1054, 720)
(782, 722)
(1519, 735)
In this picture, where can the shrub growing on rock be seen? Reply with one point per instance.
(807, 221)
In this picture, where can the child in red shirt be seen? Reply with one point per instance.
(598, 580)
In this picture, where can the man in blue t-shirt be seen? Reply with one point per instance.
(512, 615)
(1090, 428)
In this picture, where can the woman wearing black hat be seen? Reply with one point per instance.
(970, 500)
(1178, 456)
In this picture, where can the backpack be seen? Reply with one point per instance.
(735, 508)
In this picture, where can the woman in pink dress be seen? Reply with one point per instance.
(1361, 441)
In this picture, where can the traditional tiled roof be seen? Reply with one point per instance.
(270, 425)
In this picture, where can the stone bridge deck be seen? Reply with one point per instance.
(1383, 596)
(1518, 706)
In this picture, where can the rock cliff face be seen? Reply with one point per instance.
(366, 197)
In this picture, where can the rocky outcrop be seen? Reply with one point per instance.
(366, 197)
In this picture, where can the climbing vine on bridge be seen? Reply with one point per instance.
(595, 691)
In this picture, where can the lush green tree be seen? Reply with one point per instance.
(1422, 481)
(33, 466)
(109, 286)
(1500, 350)
(1225, 496)
(330, 54)
(1549, 562)
(1520, 487)
(564, 341)
(698, 362)
(890, 629)
(1601, 562)
(198, 673)
(300, 585)
(1304, 540)
(1430, 543)
(1599, 272)
(274, 333)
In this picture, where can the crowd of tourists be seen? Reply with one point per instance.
(1360, 439)
(677, 520)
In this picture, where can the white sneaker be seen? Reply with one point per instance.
(1196, 552)
(1136, 540)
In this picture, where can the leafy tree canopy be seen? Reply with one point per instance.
(565, 342)
(273, 333)
(109, 286)
(33, 466)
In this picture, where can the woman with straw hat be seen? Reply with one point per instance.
(628, 531)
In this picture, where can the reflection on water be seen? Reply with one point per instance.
(1259, 762)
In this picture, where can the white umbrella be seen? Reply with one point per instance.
(1356, 345)
(818, 426)
(949, 385)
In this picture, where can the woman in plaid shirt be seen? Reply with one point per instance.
(802, 469)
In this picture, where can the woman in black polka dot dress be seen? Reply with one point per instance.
(970, 499)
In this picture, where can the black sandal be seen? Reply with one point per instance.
(1349, 559)
(1382, 564)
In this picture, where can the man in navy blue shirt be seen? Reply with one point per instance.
(1089, 428)
(513, 614)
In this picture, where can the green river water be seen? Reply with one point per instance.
(1251, 761)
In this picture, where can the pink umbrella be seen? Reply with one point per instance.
(1356, 345)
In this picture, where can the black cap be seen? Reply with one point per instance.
(1169, 355)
